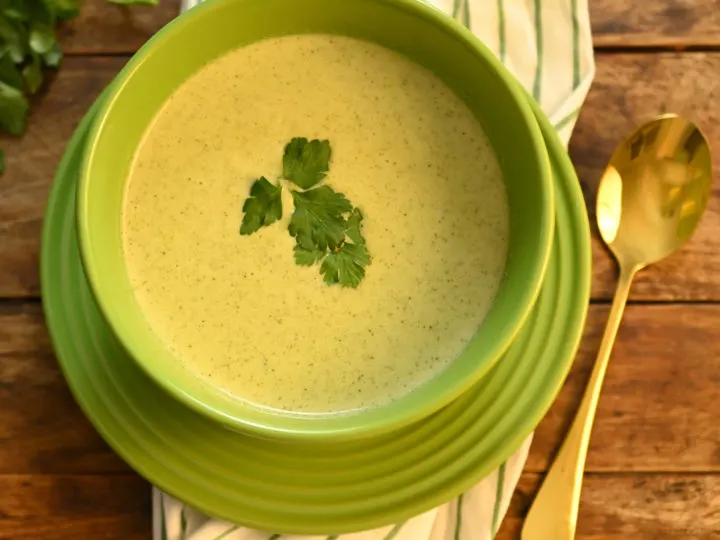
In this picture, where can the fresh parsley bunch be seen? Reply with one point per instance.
(326, 227)
(27, 46)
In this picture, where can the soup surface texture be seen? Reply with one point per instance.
(237, 310)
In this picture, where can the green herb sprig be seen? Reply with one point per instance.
(28, 46)
(326, 227)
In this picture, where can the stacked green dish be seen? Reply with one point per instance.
(297, 487)
(300, 486)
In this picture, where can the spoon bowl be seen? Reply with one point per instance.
(654, 190)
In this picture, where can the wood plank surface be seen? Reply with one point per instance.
(658, 411)
(614, 507)
(104, 28)
(30, 167)
(674, 23)
(42, 430)
(629, 88)
(81, 507)
(633, 506)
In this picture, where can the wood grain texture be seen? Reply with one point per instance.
(614, 507)
(658, 407)
(633, 506)
(80, 507)
(628, 90)
(42, 430)
(658, 410)
(105, 28)
(30, 166)
(674, 23)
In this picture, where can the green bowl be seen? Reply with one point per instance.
(418, 31)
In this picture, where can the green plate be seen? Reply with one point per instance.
(303, 487)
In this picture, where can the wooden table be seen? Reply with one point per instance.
(653, 471)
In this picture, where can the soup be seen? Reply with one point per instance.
(236, 309)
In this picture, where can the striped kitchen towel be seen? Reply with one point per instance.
(547, 45)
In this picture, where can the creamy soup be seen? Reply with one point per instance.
(237, 310)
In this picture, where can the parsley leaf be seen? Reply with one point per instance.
(14, 36)
(13, 109)
(308, 256)
(42, 39)
(16, 9)
(318, 217)
(33, 74)
(346, 266)
(9, 74)
(263, 207)
(305, 163)
(53, 57)
(64, 9)
(27, 45)
(354, 227)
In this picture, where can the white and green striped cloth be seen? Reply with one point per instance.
(547, 45)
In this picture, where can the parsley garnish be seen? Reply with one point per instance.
(28, 46)
(305, 163)
(308, 256)
(326, 227)
(346, 265)
(354, 226)
(318, 218)
(263, 207)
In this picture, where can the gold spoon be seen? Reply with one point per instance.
(651, 197)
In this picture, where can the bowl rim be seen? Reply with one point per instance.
(339, 429)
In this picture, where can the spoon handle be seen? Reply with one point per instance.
(553, 515)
